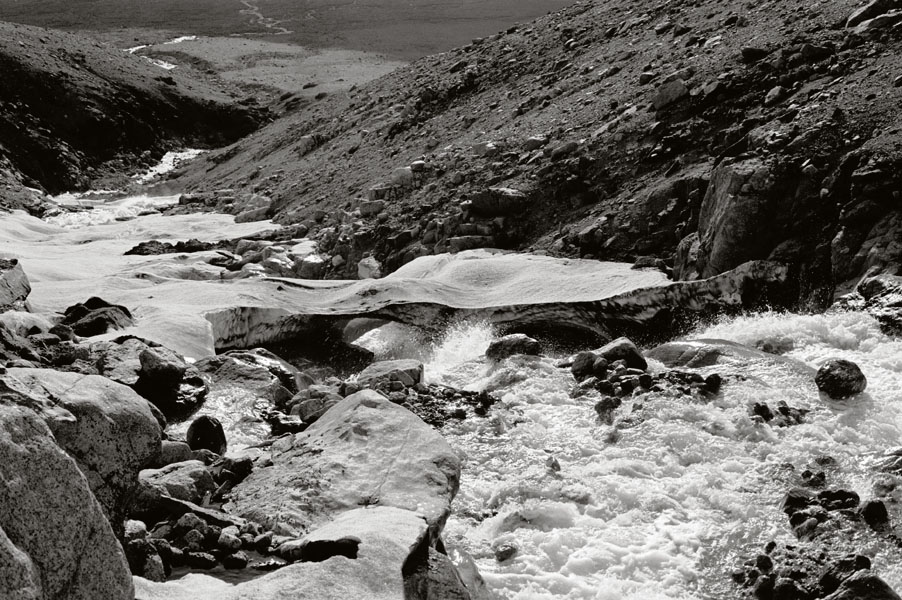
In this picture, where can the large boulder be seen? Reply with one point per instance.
(106, 427)
(55, 542)
(871, 10)
(364, 451)
(839, 378)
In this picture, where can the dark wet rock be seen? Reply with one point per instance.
(840, 570)
(839, 378)
(775, 345)
(96, 316)
(625, 350)
(605, 409)
(780, 415)
(505, 550)
(154, 247)
(280, 423)
(881, 297)
(583, 365)
(200, 560)
(144, 560)
(875, 514)
(236, 560)
(206, 432)
(516, 343)
(863, 585)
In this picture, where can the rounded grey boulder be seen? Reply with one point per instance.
(839, 378)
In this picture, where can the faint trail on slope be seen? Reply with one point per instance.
(274, 25)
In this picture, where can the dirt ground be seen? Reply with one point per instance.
(400, 29)
(284, 67)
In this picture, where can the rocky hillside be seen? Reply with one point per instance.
(702, 133)
(73, 110)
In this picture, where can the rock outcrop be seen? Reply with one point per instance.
(365, 451)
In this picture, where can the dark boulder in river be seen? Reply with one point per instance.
(840, 379)
(206, 433)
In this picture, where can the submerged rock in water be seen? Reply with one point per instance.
(839, 378)
(863, 585)
(515, 343)
(703, 352)
(364, 451)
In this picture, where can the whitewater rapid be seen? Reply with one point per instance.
(668, 507)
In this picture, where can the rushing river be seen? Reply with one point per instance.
(666, 506)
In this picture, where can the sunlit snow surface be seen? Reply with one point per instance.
(669, 508)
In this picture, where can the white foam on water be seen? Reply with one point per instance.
(109, 211)
(168, 163)
(668, 509)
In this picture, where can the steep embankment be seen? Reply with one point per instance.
(744, 131)
(72, 110)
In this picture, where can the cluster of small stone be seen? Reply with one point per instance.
(191, 541)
